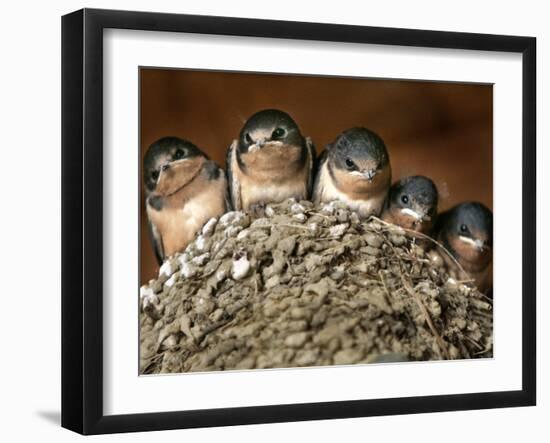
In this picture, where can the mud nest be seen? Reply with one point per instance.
(300, 285)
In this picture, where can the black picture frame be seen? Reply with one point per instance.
(82, 218)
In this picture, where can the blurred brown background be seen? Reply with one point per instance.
(441, 130)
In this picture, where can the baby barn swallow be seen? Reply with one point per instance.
(184, 189)
(270, 162)
(354, 169)
(466, 231)
(412, 204)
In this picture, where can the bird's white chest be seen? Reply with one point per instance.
(253, 192)
(327, 192)
(181, 218)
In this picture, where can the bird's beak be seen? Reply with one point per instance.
(259, 144)
(166, 167)
(477, 243)
(480, 244)
(413, 214)
(369, 174)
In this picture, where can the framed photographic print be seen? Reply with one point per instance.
(269, 221)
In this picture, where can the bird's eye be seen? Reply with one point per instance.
(350, 164)
(463, 228)
(178, 154)
(278, 133)
(247, 138)
(405, 199)
(155, 175)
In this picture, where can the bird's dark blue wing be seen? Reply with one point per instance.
(232, 178)
(156, 242)
(312, 154)
(317, 171)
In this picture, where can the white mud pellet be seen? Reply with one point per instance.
(232, 231)
(227, 218)
(314, 228)
(183, 258)
(240, 269)
(210, 226)
(171, 281)
(166, 269)
(200, 243)
(148, 297)
(188, 270)
(201, 260)
(338, 230)
(243, 234)
(297, 208)
(300, 217)
(328, 208)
